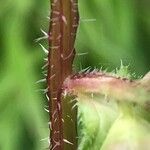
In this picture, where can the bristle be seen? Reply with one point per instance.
(82, 54)
(56, 144)
(73, 100)
(68, 142)
(41, 80)
(45, 90)
(46, 110)
(44, 49)
(43, 37)
(75, 105)
(45, 66)
(45, 33)
(67, 57)
(55, 47)
(47, 97)
(88, 20)
(64, 19)
(46, 59)
(50, 125)
(45, 139)
(84, 70)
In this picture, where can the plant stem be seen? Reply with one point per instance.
(62, 33)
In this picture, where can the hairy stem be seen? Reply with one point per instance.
(62, 33)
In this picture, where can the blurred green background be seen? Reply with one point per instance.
(110, 31)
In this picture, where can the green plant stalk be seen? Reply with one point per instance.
(62, 33)
(122, 89)
(101, 99)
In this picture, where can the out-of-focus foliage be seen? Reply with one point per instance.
(23, 121)
(120, 31)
